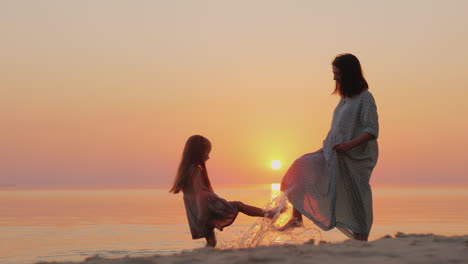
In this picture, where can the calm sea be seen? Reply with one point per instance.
(56, 224)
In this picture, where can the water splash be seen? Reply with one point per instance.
(265, 232)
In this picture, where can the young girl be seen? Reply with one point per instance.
(206, 210)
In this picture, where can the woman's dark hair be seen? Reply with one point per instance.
(352, 80)
(192, 157)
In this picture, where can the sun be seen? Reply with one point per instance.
(275, 164)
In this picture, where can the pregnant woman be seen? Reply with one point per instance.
(331, 186)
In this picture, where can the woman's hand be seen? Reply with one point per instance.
(344, 146)
(347, 145)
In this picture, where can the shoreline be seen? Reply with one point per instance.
(383, 188)
(399, 248)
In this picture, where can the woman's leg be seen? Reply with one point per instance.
(295, 221)
(297, 215)
(363, 237)
(211, 239)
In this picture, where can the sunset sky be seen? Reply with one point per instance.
(107, 92)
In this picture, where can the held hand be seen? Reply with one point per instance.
(343, 147)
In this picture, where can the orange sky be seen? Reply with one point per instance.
(108, 92)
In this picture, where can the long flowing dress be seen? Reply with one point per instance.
(332, 188)
(206, 210)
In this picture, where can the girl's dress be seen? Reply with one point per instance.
(332, 188)
(201, 203)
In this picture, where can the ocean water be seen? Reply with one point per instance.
(58, 224)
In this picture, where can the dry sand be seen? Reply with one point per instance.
(401, 248)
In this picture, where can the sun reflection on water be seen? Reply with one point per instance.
(275, 190)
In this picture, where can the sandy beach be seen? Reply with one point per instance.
(399, 248)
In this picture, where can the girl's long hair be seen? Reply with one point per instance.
(195, 147)
(352, 81)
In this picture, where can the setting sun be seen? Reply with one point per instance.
(275, 164)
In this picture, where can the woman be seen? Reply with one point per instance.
(331, 186)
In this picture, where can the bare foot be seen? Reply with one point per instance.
(292, 223)
(210, 244)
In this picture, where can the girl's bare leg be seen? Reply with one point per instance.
(211, 239)
(255, 211)
(250, 210)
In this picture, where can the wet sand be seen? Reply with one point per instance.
(398, 248)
